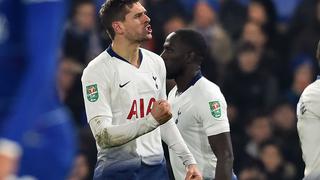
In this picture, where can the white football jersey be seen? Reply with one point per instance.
(308, 113)
(114, 88)
(199, 112)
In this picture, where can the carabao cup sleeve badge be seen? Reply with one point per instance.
(215, 108)
(92, 92)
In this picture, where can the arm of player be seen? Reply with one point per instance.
(222, 148)
(172, 137)
(108, 135)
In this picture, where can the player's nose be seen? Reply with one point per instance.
(147, 18)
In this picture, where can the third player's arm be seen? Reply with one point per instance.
(222, 148)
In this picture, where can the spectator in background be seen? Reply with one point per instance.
(259, 129)
(273, 164)
(68, 69)
(69, 88)
(284, 120)
(303, 74)
(188, 5)
(271, 62)
(174, 23)
(285, 10)
(232, 15)
(301, 19)
(305, 41)
(251, 172)
(264, 14)
(246, 87)
(205, 21)
(81, 39)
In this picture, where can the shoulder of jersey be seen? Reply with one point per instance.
(99, 62)
(151, 55)
(311, 89)
(206, 88)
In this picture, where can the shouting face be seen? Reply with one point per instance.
(136, 26)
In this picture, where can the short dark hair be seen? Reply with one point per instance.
(193, 40)
(114, 10)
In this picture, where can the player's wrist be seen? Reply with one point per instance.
(190, 163)
(152, 121)
(191, 166)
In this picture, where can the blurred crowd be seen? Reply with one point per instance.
(262, 56)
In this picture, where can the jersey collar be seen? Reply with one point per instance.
(191, 83)
(114, 54)
(195, 79)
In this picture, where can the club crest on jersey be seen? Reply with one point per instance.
(92, 93)
(215, 109)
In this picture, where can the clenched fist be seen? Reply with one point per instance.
(161, 111)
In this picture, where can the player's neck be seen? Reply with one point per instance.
(183, 81)
(128, 51)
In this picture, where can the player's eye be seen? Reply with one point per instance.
(138, 15)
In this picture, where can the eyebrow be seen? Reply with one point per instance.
(140, 13)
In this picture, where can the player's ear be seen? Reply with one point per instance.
(117, 26)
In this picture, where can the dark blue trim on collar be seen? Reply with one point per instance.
(318, 77)
(195, 79)
(114, 54)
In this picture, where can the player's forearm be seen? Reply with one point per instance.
(224, 167)
(108, 135)
(172, 137)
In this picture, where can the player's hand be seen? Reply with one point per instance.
(193, 173)
(161, 111)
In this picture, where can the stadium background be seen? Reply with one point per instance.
(262, 55)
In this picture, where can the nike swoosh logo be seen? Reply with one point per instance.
(122, 85)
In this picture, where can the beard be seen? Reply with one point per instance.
(139, 37)
(143, 39)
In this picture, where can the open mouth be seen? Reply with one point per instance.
(148, 28)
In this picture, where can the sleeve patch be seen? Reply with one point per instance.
(92, 92)
(215, 108)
